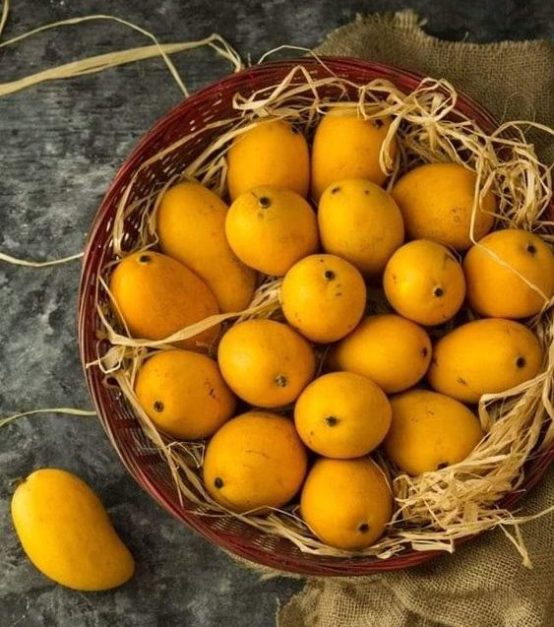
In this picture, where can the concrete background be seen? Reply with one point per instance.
(60, 144)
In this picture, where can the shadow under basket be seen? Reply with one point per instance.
(144, 463)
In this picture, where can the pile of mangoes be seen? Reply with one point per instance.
(292, 407)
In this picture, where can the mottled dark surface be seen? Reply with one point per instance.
(60, 144)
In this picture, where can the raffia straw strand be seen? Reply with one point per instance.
(67, 411)
(37, 264)
(308, 51)
(99, 63)
(5, 89)
(4, 16)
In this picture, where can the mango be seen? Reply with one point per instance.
(361, 223)
(266, 363)
(255, 461)
(484, 357)
(347, 503)
(323, 297)
(191, 229)
(436, 200)
(184, 394)
(430, 431)
(271, 228)
(424, 282)
(390, 350)
(67, 534)
(501, 270)
(346, 146)
(157, 296)
(342, 415)
(272, 152)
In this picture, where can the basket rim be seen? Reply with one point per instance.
(324, 566)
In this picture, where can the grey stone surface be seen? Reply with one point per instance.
(60, 144)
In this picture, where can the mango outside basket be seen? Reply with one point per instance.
(147, 468)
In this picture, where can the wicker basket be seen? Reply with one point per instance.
(147, 468)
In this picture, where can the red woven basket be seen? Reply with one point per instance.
(150, 472)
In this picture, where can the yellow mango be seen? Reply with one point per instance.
(390, 350)
(67, 534)
(361, 223)
(501, 269)
(270, 228)
(273, 152)
(346, 146)
(430, 431)
(347, 503)
(184, 394)
(157, 296)
(484, 357)
(265, 362)
(424, 282)
(191, 229)
(323, 296)
(342, 415)
(436, 201)
(255, 461)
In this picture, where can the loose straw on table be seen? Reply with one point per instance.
(100, 63)
(66, 411)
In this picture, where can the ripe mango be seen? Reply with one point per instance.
(390, 350)
(184, 394)
(347, 503)
(270, 228)
(67, 534)
(361, 223)
(347, 146)
(430, 431)
(436, 200)
(484, 357)
(273, 152)
(424, 282)
(500, 270)
(323, 297)
(255, 461)
(191, 228)
(157, 296)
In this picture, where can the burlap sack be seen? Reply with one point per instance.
(484, 584)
